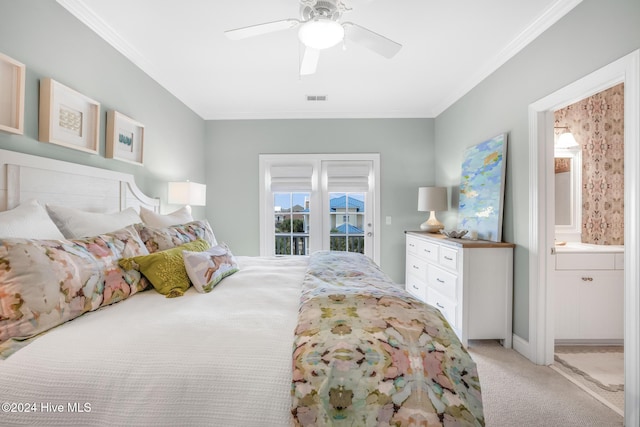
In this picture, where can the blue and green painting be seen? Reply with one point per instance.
(482, 188)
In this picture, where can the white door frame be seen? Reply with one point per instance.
(541, 230)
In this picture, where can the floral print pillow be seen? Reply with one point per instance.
(44, 283)
(160, 239)
(206, 269)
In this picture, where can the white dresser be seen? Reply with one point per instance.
(470, 281)
(589, 293)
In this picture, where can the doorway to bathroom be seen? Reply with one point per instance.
(588, 273)
(541, 343)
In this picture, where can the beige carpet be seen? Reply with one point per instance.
(517, 393)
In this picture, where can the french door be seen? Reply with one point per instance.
(313, 202)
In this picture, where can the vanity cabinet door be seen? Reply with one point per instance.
(589, 305)
(601, 305)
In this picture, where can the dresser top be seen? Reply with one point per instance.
(461, 243)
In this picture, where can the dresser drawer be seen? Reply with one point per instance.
(416, 267)
(443, 282)
(416, 287)
(446, 306)
(428, 250)
(448, 258)
(422, 249)
(412, 245)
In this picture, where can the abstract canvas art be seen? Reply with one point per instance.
(482, 188)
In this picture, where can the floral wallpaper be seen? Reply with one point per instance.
(597, 124)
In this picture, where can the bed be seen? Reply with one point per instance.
(321, 340)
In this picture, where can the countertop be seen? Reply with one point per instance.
(578, 248)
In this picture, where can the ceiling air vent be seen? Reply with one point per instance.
(316, 97)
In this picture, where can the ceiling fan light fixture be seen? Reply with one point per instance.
(321, 33)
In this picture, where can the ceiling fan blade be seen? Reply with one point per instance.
(256, 30)
(374, 41)
(309, 61)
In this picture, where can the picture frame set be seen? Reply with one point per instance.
(12, 88)
(125, 138)
(67, 117)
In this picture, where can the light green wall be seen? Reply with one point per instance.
(414, 152)
(53, 43)
(406, 162)
(594, 34)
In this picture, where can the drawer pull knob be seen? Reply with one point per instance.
(415, 287)
(587, 279)
(448, 258)
(427, 251)
(439, 280)
(439, 306)
(416, 267)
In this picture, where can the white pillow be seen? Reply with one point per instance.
(29, 221)
(75, 223)
(155, 220)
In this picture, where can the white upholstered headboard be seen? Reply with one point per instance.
(24, 177)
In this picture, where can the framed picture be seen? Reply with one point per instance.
(68, 118)
(125, 138)
(12, 76)
(482, 188)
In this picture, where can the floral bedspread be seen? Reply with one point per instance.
(366, 353)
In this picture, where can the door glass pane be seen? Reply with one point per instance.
(291, 223)
(346, 213)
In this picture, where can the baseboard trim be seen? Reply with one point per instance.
(521, 346)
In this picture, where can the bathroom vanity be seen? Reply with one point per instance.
(589, 293)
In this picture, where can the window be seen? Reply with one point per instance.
(291, 220)
(347, 235)
(319, 202)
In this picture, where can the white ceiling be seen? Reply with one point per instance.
(448, 48)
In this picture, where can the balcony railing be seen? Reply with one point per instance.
(347, 242)
(292, 243)
(298, 243)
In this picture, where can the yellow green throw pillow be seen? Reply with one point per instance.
(165, 269)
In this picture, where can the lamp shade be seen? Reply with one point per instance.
(566, 140)
(187, 193)
(432, 199)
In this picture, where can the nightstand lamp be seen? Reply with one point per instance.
(187, 193)
(432, 199)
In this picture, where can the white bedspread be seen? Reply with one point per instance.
(217, 359)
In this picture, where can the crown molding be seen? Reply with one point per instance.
(543, 22)
(87, 16)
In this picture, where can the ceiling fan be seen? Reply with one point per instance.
(320, 28)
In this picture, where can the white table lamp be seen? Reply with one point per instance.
(432, 199)
(187, 193)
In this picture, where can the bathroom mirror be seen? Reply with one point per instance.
(568, 179)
